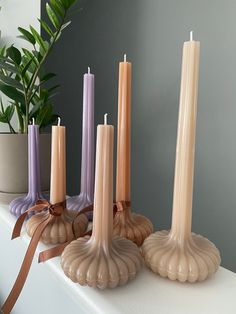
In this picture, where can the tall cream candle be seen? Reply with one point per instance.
(58, 164)
(180, 254)
(185, 148)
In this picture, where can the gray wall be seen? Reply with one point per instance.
(151, 33)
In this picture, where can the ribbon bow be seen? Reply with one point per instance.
(54, 210)
(120, 206)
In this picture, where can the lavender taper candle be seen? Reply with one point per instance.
(21, 204)
(85, 197)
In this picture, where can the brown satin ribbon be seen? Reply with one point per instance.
(120, 206)
(57, 250)
(54, 210)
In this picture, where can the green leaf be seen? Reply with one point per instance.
(8, 67)
(47, 77)
(68, 3)
(10, 81)
(65, 25)
(53, 88)
(35, 108)
(46, 27)
(44, 115)
(57, 37)
(14, 54)
(26, 67)
(27, 35)
(12, 93)
(3, 118)
(2, 51)
(30, 55)
(38, 55)
(9, 111)
(32, 67)
(58, 8)
(52, 16)
(38, 38)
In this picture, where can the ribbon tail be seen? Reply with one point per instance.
(53, 252)
(19, 223)
(25, 267)
(57, 250)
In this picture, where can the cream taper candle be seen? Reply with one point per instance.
(102, 260)
(179, 254)
(58, 164)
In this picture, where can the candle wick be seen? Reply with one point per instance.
(125, 57)
(191, 36)
(59, 121)
(105, 118)
(88, 70)
(33, 121)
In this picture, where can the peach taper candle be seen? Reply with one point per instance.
(179, 254)
(127, 224)
(102, 260)
(60, 229)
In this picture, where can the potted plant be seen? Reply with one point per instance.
(29, 92)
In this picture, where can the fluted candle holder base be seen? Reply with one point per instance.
(132, 226)
(194, 259)
(88, 262)
(20, 204)
(60, 230)
(79, 202)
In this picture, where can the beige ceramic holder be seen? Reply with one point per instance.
(132, 226)
(179, 254)
(59, 230)
(126, 224)
(102, 260)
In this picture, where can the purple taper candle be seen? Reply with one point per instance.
(85, 198)
(21, 204)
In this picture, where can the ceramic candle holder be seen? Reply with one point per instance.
(21, 204)
(102, 260)
(92, 262)
(60, 230)
(132, 226)
(193, 258)
(180, 254)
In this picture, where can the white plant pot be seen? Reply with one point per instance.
(14, 164)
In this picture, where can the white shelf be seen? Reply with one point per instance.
(49, 291)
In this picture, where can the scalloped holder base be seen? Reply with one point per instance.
(60, 230)
(87, 262)
(195, 259)
(132, 226)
